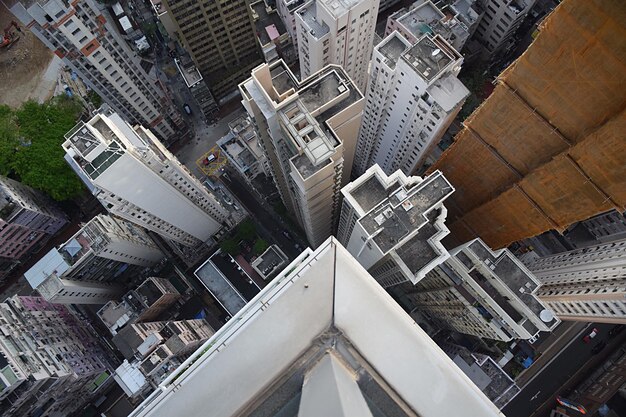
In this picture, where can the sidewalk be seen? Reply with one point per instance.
(551, 347)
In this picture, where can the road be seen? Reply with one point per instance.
(546, 385)
(266, 221)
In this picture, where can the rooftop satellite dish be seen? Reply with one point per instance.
(436, 52)
(546, 316)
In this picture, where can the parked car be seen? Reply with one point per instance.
(591, 335)
(208, 159)
(598, 347)
(286, 234)
(187, 108)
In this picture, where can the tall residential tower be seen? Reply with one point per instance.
(83, 35)
(134, 177)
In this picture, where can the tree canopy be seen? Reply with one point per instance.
(30, 145)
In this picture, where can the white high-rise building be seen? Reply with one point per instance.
(499, 23)
(87, 269)
(308, 132)
(587, 284)
(482, 292)
(134, 177)
(337, 32)
(339, 346)
(393, 225)
(412, 97)
(287, 12)
(83, 35)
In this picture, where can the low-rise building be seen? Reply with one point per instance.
(144, 303)
(47, 359)
(195, 83)
(482, 292)
(270, 262)
(393, 225)
(242, 149)
(90, 266)
(154, 349)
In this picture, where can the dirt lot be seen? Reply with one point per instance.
(23, 66)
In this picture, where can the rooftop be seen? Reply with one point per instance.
(371, 193)
(219, 286)
(190, 73)
(308, 12)
(314, 312)
(417, 20)
(391, 49)
(429, 56)
(264, 20)
(404, 212)
(448, 91)
(282, 78)
(339, 7)
(417, 252)
(270, 261)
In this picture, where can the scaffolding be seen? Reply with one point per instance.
(547, 148)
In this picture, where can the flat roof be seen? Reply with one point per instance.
(417, 20)
(391, 49)
(428, 57)
(220, 287)
(308, 12)
(417, 252)
(270, 261)
(257, 364)
(282, 78)
(266, 20)
(448, 91)
(404, 213)
(370, 193)
(190, 73)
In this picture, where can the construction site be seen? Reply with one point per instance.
(547, 148)
(28, 69)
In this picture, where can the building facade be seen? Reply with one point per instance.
(323, 358)
(393, 225)
(339, 32)
(48, 359)
(455, 22)
(81, 33)
(220, 38)
(91, 265)
(607, 227)
(412, 97)
(27, 219)
(195, 83)
(538, 155)
(287, 12)
(135, 178)
(499, 23)
(587, 284)
(485, 293)
(308, 132)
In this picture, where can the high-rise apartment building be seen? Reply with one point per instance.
(499, 23)
(587, 284)
(337, 32)
(47, 359)
(484, 293)
(308, 131)
(393, 225)
(219, 36)
(539, 154)
(324, 358)
(134, 177)
(412, 97)
(271, 33)
(454, 22)
(606, 227)
(88, 268)
(27, 219)
(83, 35)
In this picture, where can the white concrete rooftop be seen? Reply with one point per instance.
(272, 358)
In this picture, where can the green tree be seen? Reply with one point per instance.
(230, 246)
(246, 230)
(8, 138)
(38, 161)
(259, 246)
